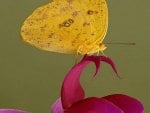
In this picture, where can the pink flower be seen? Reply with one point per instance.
(73, 99)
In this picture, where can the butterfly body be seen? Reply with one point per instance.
(68, 26)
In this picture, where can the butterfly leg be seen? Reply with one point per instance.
(76, 58)
(79, 50)
(103, 54)
(98, 53)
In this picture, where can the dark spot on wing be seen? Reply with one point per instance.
(66, 23)
(51, 35)
(25, 31)
(90, 12)
(69, 1)
(70, 21)
(86, 24)
(42, 28)
(76, 29)
(96, 12)
(60, 40)
(48, 44)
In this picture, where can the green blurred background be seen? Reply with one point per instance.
(30, 79)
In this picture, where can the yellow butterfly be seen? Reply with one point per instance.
(68, 26)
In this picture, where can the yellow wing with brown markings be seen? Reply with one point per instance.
(68, 26)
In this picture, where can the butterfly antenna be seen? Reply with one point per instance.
(121, 43)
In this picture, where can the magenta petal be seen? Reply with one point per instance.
(72, 91)
(12, 111)
(126, 103)
(109, 61)
(95, 59)
(57, 107)
(94, 105)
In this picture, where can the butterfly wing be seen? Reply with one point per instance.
(98, 18)
(63, 25)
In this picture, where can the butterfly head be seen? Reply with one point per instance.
(90, 49)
